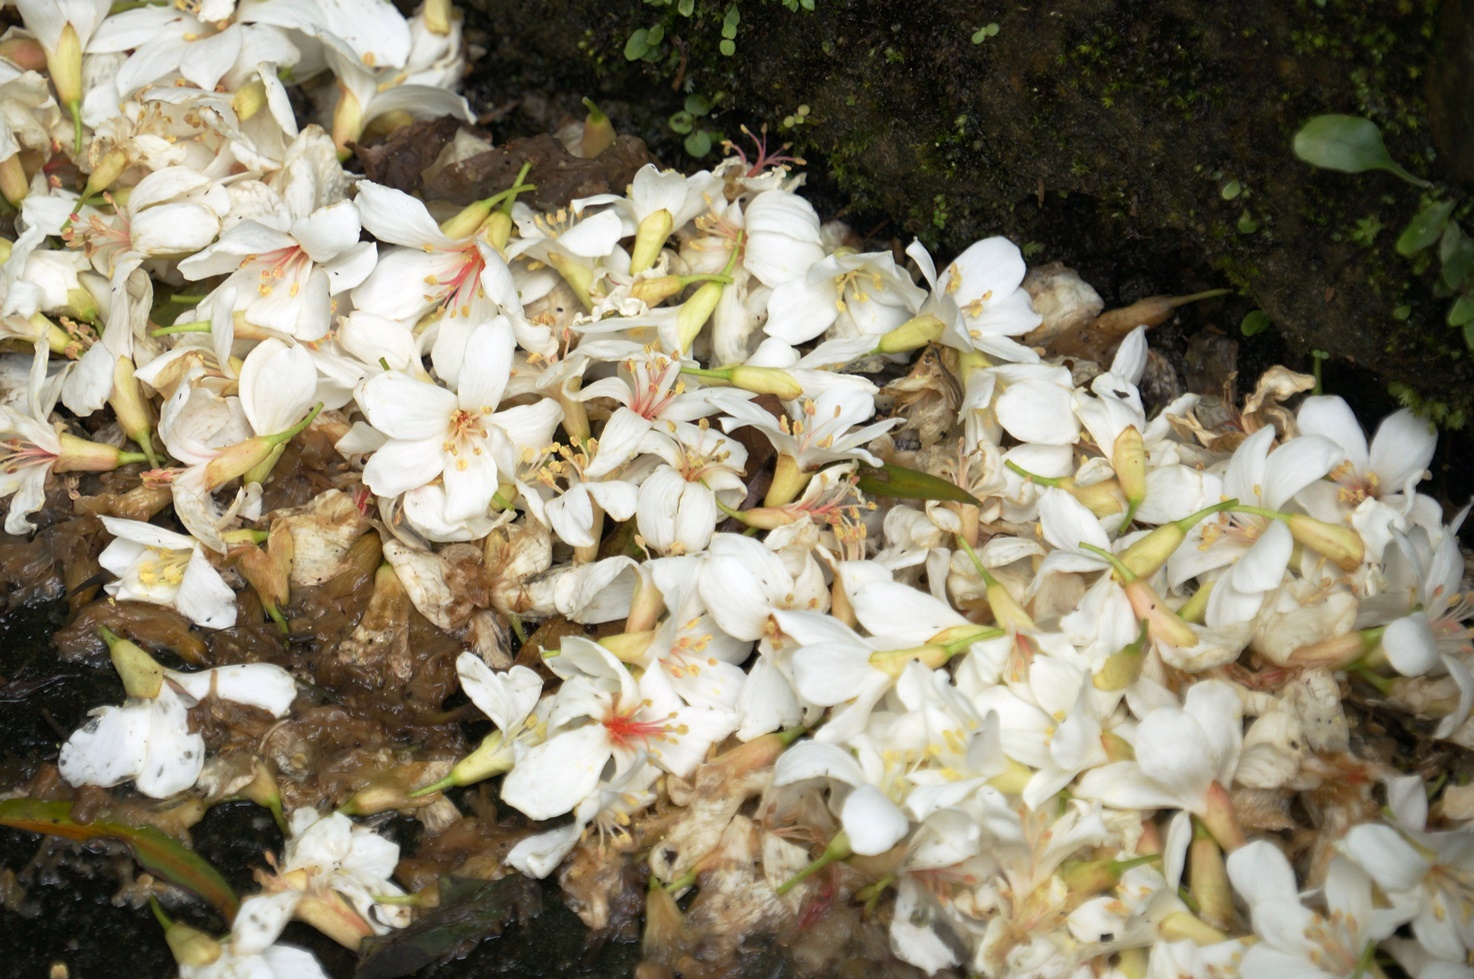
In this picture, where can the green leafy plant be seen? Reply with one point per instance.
(1354, 145)
(983, 33)
(699, 139)
(1350, 144)
(1255, 323)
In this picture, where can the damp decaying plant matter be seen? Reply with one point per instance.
(794, 605)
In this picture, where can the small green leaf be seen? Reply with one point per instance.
(1456, 253)
(697, 105)
(698, 144)
(681, 122)
(730, 22)
(657, 34)
(1231, 190)
(637, 45)
(728, 48)
(155, 852)
(1350, 144)
(1469, 335)
(1402, 312)
(1255, 323)
(1461, 313)
(1425, 228)
(901, 483)
(1247, 224)
(686, 7)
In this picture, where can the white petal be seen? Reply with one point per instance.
(263, 685)
(110, 748)
(872, 822)
(1411, 647)
(405, 408)
(1402, 449)
(507, 698)
(204, 597)
(556, 775)
(396, 217)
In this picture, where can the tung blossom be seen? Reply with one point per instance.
(461, 438)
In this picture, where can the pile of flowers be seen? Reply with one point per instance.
(1046, 684)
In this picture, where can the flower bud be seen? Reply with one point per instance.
(330, 914)
(66, 67)
(347, 121)
(25, 53)
(657, 289)
(628, 647)
(913, 334)
(14, 185)
(468, 221)
(1128, 459)
(1163, 623)
(580, 277)
(695, 311)
(892, 662)
(598, 132)
(1342, 546)
(766, 380)
(437, 16)
(1122, 668)
(1147, 555)
(1209, 881)
(650, 239)
(249, 99)
(127, 401)
(80, 455)
(190, 946)
(1102, 499)
(142, 676)
(499, 230)
(767, 517)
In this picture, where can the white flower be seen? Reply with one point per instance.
(333, 874)
(148, 738)
(159, 566)
(1296, 941)
(461, 438)
(463, 277)
(677, 510)
(1430, 875)
(1184, 755)
(602, 714)
(847, 294)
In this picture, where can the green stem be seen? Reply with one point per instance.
(838, 849)
(1125, 573)
(281, 438)
(1041, 480)
(197, 326)
(517, 629)
(977, 563)
(517, 187)
(1188, 522)
(448, 782)
(126, 457)
(276, 616)
(1259, 511)
(165, 922)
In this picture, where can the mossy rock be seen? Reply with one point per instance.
(1167, 126)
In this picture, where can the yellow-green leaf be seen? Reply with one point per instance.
(155, 852)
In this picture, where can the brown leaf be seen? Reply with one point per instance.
(399, 160)
(559, 175)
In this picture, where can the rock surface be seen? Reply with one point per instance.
(1106, 133)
